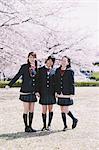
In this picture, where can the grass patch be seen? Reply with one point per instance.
(4, 83)
(95, 75)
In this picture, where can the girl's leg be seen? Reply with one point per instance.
(66, 109)
(26, 110)
(26, 107)
(31, 107)
(63, 113)
(73, 118)
(50, 107)
(44, 111)
(31, 113)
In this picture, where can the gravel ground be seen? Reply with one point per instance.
(84, 137)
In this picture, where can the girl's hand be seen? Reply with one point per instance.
(56, 95)
(37, 94)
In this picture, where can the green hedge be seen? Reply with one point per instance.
(82, 84)
(78, 84)
(4, 83)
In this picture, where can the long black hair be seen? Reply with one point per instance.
(34, 56)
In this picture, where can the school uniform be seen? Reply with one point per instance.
(28, 86)
(64, 86)
(46, 85)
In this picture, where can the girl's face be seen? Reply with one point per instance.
(49, 63)
(64, 62)
(32, 60)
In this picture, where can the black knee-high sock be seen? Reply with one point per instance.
(64, 119)
(25, 119)
(71, 115)
(44, 119)
(50, 118)
(30, 118)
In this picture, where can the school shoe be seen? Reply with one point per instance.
(27, 129)
(75, 121)
(65, 128)
(31, 129)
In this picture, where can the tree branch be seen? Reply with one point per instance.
(4, 24)
(5, 12)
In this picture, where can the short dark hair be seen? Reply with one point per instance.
(50, 57)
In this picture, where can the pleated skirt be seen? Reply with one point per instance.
(47, 100)
(65, 101)
(28, 98)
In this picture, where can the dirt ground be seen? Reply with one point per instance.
(84, 137)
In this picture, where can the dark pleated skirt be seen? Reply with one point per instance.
(28, 98)
(65, 101)
(47, 100)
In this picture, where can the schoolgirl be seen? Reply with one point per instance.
(28, 89)
(65, 90)
(46, 89)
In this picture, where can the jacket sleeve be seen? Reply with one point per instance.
(56, 81)
(16, 77)
(38, 81)
(72, 86)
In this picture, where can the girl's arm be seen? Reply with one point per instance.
(38, 81)
(56, 81)
(72, 86)
(16, 77)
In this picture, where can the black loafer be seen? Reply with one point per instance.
(31, 129)
(65, 128)
(27, 129)
(75, 121)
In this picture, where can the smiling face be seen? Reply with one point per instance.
(31, 59)
(64, 62)
(49, 63)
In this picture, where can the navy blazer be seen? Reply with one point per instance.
(28, 82)
(45, 82)
(65, 83)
